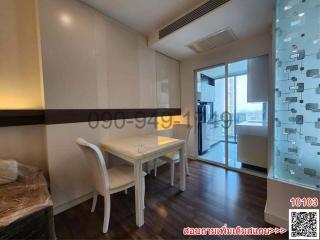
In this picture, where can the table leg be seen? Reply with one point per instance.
(182, 167)
(139, 193)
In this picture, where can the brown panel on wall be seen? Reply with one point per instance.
(21, 117)
(60, 116)
(87, 115)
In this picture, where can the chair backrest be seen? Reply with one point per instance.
(181, 131)
(97, 165)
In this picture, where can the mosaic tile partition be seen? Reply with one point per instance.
(297, 92)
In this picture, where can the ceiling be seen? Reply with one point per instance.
(244, 17)
(144, 16)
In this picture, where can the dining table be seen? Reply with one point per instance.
(138, 150)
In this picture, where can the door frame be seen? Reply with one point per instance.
(226, 163)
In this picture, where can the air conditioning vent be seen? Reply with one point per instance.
(215, 40)
(191, 16)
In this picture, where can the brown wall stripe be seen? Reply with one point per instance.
(21, 117)
(60, 116)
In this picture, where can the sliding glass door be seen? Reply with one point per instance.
(231, 116)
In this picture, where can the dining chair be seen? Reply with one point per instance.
(106, 181)
(179, 131)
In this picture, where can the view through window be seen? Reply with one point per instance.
(246, 111)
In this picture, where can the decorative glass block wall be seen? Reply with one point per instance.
(297, 92)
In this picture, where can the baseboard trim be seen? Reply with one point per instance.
(274, 219)
(65, 206)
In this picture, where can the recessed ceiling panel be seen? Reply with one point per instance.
(215, 40)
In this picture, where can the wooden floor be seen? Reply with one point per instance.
(214, 196)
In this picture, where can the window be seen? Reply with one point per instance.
(246, 111)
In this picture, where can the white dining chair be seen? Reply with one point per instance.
(179, 131)
(106, 181)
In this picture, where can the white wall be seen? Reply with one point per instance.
(90, 49)
(21, 81)
(247, 48)
(278, 200)
(20, 71)
(91, 61)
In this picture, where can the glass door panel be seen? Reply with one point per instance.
(237, 108)
(246, 117)
(210, 111)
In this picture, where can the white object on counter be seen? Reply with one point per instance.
(8, 171)
(253, 143)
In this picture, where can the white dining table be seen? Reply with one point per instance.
(141, 149)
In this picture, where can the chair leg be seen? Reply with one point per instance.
(144, 191)
(172, 173)
(107, 205)
(187, 167)
(94, 201)
(126, 192)
(155, 167)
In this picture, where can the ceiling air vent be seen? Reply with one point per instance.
(218, 39)
(191, 16)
